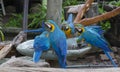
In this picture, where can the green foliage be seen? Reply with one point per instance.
(116, 3)
(101, 10)
(70, 2)
(37, 18)
(105, 25)
(34, 17)
(1, 33)
(15, 21)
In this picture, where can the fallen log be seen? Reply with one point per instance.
(2, 44)
(7, 48)
(20, 62)
(31, 69)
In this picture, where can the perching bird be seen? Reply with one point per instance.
(68, 26)
(41, 43)
(94, 37)
(57, 41)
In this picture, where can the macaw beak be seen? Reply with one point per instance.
(47, 25)
(76, 29)
(63, 27)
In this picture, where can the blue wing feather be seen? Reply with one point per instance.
(94, 37)
(58, 43)
(109, 56)
(70, 18)
(98, 29)
(36, 30)
(40, 44)
(97, 40)
(36, 56)
(70, 22)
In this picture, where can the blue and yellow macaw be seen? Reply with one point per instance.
(68, 26)
(93, 35)
(57, 41)
(41, 43)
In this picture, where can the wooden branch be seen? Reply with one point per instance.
(4, 43)
(19, 38)
(20, 62)
(42, 69)
(82, 10)
(7, 48)
(105, 16)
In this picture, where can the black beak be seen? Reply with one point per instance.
(63, 27)
(76, 29)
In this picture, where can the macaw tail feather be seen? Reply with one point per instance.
(108, 55)
(62, 62)
(70, 18)
(36, 56)
(36, 30)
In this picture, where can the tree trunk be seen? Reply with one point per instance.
(54, 10)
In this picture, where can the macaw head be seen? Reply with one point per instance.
(68, 26)
(65, 27)
(50, 25)
(79, 28)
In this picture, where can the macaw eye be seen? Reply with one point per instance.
(80, 30)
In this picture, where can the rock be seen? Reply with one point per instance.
(26, 48)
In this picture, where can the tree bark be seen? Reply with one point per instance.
(54, 10)
(105, 16)
(82, 10)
